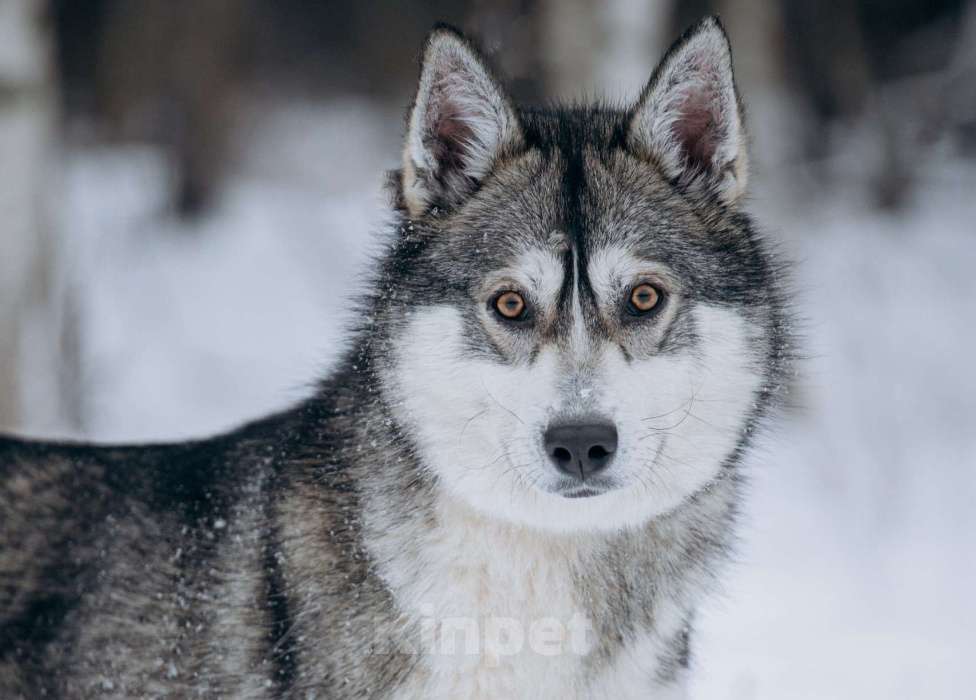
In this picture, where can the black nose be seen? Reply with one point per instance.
(581, 449)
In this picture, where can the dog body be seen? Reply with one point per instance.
(519, 482)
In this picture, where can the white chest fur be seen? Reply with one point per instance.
(502, 615)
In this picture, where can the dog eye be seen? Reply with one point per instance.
(643, 299)
(510, 305)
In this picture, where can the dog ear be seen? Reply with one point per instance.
(460, 122)
(689, 119)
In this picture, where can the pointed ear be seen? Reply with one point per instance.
(460, 122)
(689, 119)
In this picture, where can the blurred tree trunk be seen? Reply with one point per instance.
(169, 71)
(510, 33)
(959, 92)
(756, 29)
(27, 250)
(602, 49)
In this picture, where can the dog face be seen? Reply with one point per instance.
(578, 318)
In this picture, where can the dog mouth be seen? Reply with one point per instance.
(584, 489)
(583, 492)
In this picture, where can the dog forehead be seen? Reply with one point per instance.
(625, 203)
(542, 206)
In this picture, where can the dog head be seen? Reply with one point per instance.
(578, 319)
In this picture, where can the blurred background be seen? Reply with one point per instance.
(190, 190)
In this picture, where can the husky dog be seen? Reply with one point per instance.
(519, 483)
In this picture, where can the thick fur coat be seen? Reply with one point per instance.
(409, 532)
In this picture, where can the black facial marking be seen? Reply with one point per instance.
(567, 142)
(576, 173)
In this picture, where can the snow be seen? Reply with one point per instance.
(192, 329)
(856, 569)
(856, 574)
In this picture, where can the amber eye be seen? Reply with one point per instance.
(644, 298)
(510, 305)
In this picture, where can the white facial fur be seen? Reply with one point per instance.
(478, 422)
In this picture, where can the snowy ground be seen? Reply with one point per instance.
(857, 569)
(857, 575)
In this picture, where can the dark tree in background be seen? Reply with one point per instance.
(33, 303)
(163, 71)
(175, 71)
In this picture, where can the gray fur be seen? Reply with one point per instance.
(268, 562)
